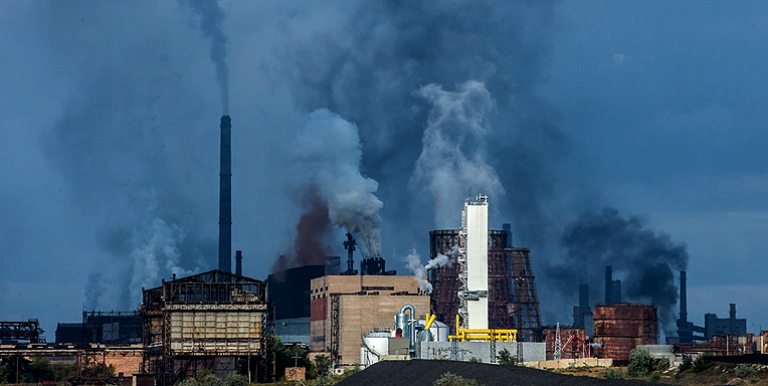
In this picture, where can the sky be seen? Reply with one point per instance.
(391, 113)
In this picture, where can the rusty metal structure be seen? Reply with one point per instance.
(214, 320)
(567, 335)
(511, 283)
(619, 328)
(15, 331)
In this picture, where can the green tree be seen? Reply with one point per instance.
(506, 358)
(640, 363)
(62, 372)
(323, 363)
(612, 373)
(475, 360)
(450, 379)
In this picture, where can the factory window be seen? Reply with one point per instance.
(372, 288)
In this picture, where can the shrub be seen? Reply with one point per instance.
(475, 360)
(506, 358)
(640, 363)
(612, 373)
(687, 363)
(723, 378)
(655, 377)
(700, 364)
(188, 382)
(326, 380)
(235, 379)
(662, 364)
(450, 379)
(210, 380)
(746, 371)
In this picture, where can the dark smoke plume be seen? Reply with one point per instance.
(211, 18)
(643, 259)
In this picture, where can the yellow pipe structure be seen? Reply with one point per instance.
(430, 319)
(463, 335)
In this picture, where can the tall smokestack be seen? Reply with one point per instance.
(608, 284)
(239, 263)
(225, 196)
(683, 298)
(508, 230)
(583, 303)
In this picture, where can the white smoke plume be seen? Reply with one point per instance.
(413, 263)
(155, 254)
(94, 290)
(211, 18)
(329, 149)
(453, 158)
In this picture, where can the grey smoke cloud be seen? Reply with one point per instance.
(453, 162)
(211, 20)
(328, 149)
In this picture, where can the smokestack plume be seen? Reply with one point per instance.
(211, 20)
(645, 259)
(225, 196)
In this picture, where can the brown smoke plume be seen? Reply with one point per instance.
(309, 247)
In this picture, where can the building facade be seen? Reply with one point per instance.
(345, 307)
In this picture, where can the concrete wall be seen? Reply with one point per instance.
(532, 352)
(568, 363)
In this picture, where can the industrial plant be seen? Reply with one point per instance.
(481, 299)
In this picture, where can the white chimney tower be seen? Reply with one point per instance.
(473, 262)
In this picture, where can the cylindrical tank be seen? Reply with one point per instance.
(375, 344)
(439, 331)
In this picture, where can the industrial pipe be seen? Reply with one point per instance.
(410, 324)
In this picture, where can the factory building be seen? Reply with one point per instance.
(724, 326)
(289, 296)
(345, 307)
(619, 328)
(690, 333)
(113, 327)
(213, 320)
(511, 283)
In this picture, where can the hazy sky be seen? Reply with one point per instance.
(109, 118)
